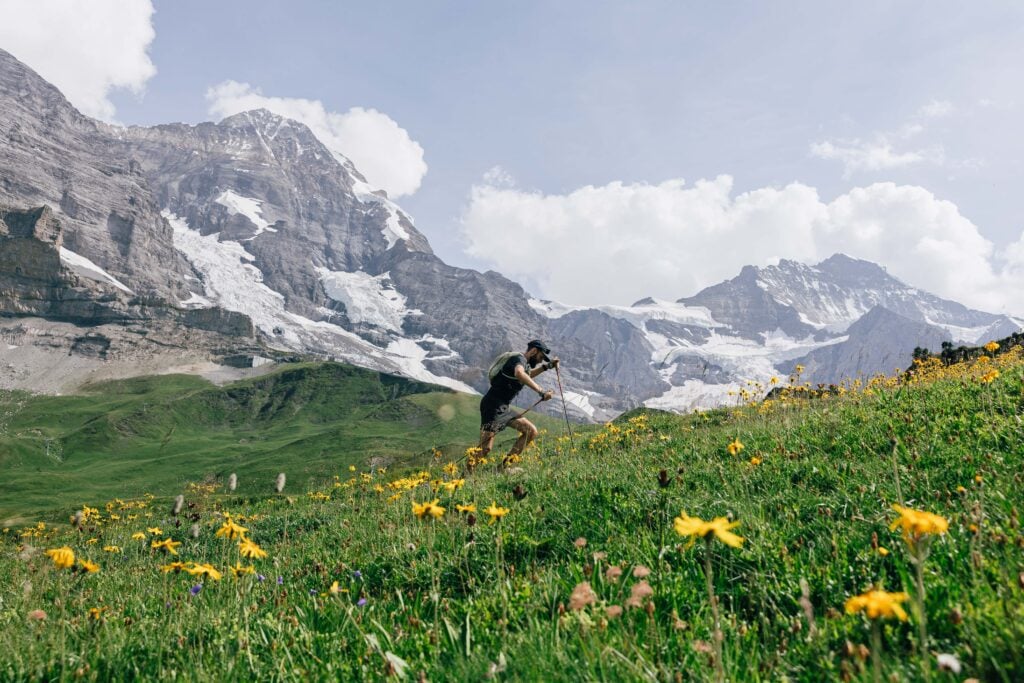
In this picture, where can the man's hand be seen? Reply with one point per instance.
(553, 363)
(546, 396)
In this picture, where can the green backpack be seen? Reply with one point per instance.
(499, 363)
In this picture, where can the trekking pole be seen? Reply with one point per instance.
(519, 415)
(565, 411)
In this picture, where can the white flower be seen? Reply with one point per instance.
(948, 663)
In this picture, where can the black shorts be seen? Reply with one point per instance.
(494, 416)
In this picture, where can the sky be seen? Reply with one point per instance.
(601, 152)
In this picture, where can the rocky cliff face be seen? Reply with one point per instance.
(52, 155)
(877, 343)
(38, 278)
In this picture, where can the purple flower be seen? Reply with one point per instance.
(357, 574)
(312, 591)
(167, 605)
(261, 578)
(280, 580)
(196, 588)
(361, 602)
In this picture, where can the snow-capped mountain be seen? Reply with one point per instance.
(209, 242)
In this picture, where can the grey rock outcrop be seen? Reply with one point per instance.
(50, 154)
(880, 342)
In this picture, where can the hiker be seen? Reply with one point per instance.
(509, 373)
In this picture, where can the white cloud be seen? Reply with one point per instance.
(621, 242)
(880, 152)
(380, 148)
(86, 49)
(859, 155)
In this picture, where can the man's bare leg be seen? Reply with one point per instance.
(527, 433)
(485, 446)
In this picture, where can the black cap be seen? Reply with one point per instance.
(538, 344)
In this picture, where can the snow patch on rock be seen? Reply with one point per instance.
(86, 268)
(369, 299)
(246, 206)
(393, 230)
(410, 356)
(233, 282)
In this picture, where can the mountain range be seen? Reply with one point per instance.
(217, 248)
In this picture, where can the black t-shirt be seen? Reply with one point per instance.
(505, 386)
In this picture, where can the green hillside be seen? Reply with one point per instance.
(592, 573)
(154, 434)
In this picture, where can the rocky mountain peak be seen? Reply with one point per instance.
(853, 272)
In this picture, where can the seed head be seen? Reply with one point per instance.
(232, 482)
(179, 502)
(279, 484)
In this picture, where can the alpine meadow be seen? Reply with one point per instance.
(533, 342)
(866, 533)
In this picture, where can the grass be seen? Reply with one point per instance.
(130, 437)
(355, 587)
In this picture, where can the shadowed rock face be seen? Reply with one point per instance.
(748, 309)
(615, 353)
(34, 281)
(52, 155)
(880, 342)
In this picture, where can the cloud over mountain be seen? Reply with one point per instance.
(621, 242)
(87, 49)
(382, 150)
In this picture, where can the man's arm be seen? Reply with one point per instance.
(525, 378)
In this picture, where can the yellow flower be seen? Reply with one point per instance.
(978, 479)
(466, 508)
(238, 570)
(167, 545)
(694, 527)
(155, 530)
(451, 469)
(735, 448)
(230, 530)
(96, 612)
(89, 567)
(495, 512)
(989, 376)
(878, 604)
(883, 551)
(138, 536)
(916, 523)
(755, 460)
(92, 541)
(111, 548)
(204, 570)
(63, 558)
(991, 347)
(422, 510)
(176, 567)
(351, 468)
(247, 548)
(453, 485)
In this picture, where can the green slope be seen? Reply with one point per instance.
(124, 438)
(526, 599)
